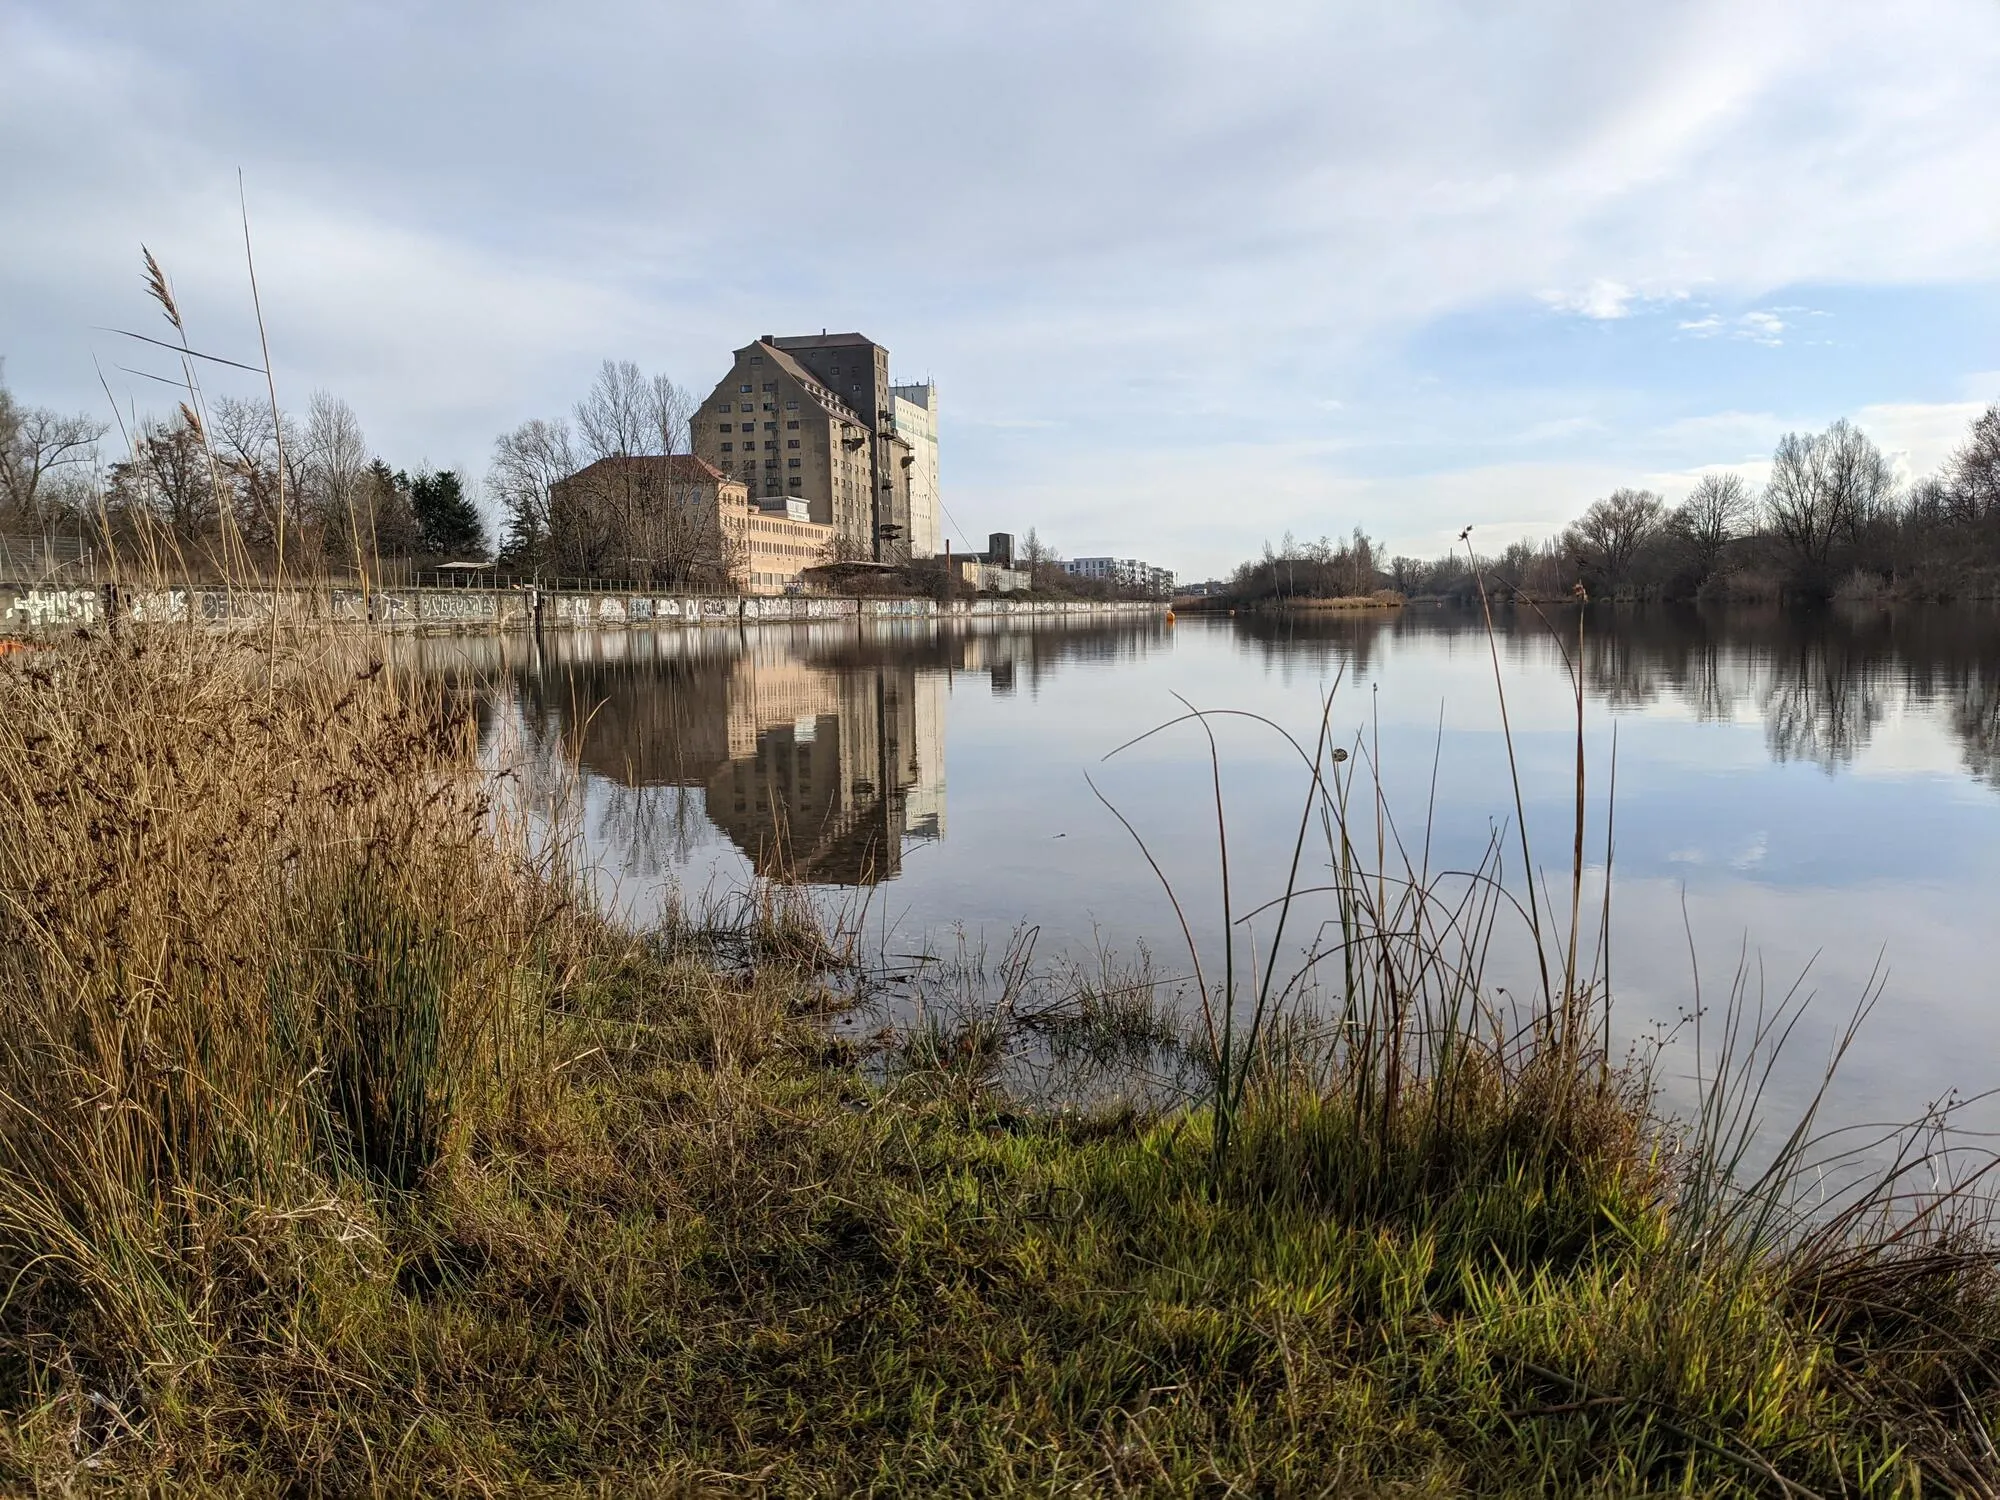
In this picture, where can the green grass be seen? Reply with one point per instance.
(516, 1203)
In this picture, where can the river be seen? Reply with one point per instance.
(1813, 796)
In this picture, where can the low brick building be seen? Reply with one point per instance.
(674, 520)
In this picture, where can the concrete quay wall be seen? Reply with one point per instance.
(36, 610)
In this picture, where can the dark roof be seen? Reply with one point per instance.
(820, 341)
(683, 466)
(813, 384)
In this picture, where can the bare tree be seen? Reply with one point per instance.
(34, 444)
(167, 481)
(1611, 534)
(527, 465)
(1713, 515)
(673, 409)
(1972, 477)
(1824, 488)
(627, 415)
(249, 446)
(333, 461)
(618, 417)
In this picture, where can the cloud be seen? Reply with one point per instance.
(1760, 326)
(1204, 232)
(1919, 437)
(1602, 300)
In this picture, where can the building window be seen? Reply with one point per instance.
(791, 406)
(770, 406)
(727, 428)
(770, 426)
(789, 427)
(791, 442)
(748, 407)
(791, 463)
(743, 390)
(728, 447)
(770, 385)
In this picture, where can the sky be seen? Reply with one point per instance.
(1189, 276)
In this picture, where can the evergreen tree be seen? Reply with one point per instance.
(448, 524)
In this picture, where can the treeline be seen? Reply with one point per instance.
(230, 486)
(1309, 570)
(1830, 521)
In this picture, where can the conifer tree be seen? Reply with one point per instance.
(448, 523)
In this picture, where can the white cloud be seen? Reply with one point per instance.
(1762, 327)
(1603, 300)
(461, 208)
(1918, 438)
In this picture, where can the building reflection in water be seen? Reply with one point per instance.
(817, 751)
(827, 773)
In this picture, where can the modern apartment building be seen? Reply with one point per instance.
(1126, 572)
(813, 419)
(916, 421)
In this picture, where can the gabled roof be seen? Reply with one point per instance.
(815, 387)
(682, 466)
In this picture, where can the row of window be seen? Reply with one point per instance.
(752, 427)
(770, 444)
(725, 407)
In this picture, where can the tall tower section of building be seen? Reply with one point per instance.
(803, 451)
(856, 369)
(916, 421)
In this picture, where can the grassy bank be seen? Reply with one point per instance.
(342, 1149)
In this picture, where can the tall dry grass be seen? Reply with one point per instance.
(266, 945)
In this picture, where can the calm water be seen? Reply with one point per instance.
(1818, 794)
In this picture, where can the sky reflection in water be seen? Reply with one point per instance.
(1816, 792)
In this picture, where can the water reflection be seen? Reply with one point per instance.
(1822, 683)
(818, 753)
(951, 761)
